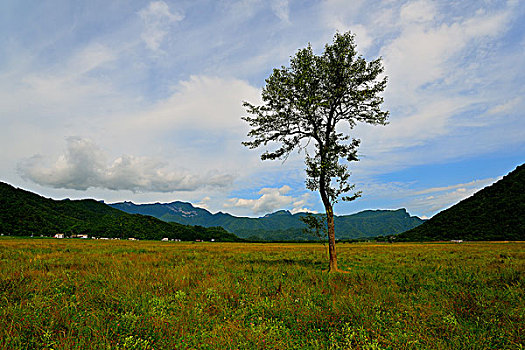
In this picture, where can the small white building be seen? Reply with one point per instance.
(165, 239)
(59, 235)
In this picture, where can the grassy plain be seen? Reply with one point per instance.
(75, 294)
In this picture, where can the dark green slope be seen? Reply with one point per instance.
(378, 222)
(23, 213)
(494, 213)
(281, 225)
(365, 224)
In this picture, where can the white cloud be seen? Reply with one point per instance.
(506, 106)
(204, 203)
(90, 57)
(418, 12)
(281, 8)
(476, 184)
(85, 165)
(340, 17)
(432, 200)
(271, 199)
(209, 102)
(428, 122)
(440, 69)
(157, 19)
(441, 65)
(72, 90)
(436, 203)
(421, 201)
(242, 9)
(432, 51)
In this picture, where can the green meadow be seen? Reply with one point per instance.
(87, 294)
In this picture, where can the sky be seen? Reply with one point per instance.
(142, 100)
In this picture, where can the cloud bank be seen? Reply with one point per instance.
(84, 165)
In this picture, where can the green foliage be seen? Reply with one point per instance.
(73, 294)
(304, 103)
(492, 214)
(315, 226)
(24, 214)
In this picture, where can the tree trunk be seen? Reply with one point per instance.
(331, 239)
(332, 267)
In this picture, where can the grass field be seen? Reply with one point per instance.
(67, 294)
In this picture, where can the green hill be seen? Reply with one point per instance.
(23, 213)
(281, 225)
(497, 212)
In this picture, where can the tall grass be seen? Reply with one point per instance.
(67, 294)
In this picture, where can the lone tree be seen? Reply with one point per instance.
(303, 106)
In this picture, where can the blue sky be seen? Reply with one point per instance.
(142, 100)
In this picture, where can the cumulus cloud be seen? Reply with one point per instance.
(271, 199)
(157, 19)
(85, 165)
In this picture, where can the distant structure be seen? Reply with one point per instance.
(59, 235)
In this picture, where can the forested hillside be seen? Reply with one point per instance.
(24, 213)
(496, 212)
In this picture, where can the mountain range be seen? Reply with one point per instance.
(280, 225)
(494, 213)
(23, 213)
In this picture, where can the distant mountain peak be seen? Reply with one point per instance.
(278, 213)
(185, 213)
